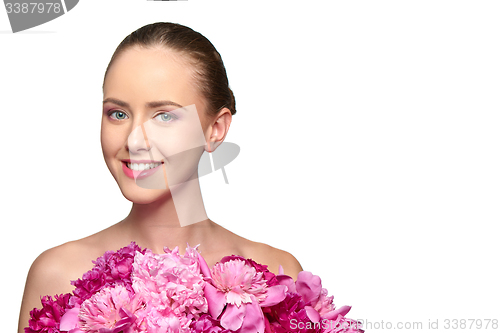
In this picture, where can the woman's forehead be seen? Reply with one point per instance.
(154, 62)
(151, 73)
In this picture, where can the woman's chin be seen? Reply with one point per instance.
(144, 196)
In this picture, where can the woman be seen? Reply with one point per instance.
(166, 100)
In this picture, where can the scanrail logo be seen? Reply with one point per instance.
(28, 14)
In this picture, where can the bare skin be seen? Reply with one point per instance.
(138, 77)
(53, 270)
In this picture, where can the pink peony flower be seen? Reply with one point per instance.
(307, 308)
(238, 290)
(268, 276)
(172, 287)
(310, 288)
(110, 269)
(238, 281)
(48, 317)
(111, 308)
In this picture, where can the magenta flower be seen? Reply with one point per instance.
(290, 316)
(110, 269)
(47, 318)
(307, 308)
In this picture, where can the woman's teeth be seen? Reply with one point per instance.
(142, 166)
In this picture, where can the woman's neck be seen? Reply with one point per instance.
(177, 219)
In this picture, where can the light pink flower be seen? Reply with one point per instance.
(110, 310)
(159, 322)
(238, 281)
(172, 287)
(239, 288)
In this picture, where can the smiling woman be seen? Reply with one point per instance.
(166, 101)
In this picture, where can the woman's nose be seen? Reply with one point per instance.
(138, 140)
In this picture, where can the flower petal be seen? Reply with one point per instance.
(275, 294)
(76, 330)
(126, 321)
(333, 314)
(312, 314)
(233, 317)
(203, 266)
(69, 320)
(216, 300)
(309, 286)
(286, 280)
(232, 257)
(254, 318)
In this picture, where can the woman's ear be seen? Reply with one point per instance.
(218, 129)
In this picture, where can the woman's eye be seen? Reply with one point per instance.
(120, 115)
(165, 117)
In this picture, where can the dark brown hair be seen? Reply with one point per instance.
(209, 69)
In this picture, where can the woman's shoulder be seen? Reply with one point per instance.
(264, 254)
(273, 258)
(53, 270)
(60, 264)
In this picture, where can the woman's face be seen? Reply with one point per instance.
(153, 123)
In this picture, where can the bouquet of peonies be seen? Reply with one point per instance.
(134, 290)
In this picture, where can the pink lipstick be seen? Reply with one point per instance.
(139, 169)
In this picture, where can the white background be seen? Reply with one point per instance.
(369, 135)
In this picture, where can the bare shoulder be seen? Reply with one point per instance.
(52, 272)
(259, 252)
(54, 266)
(273, 258)
(69, 259)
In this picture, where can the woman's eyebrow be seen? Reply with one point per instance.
(162, 103)
(116, 101)
(154, 104)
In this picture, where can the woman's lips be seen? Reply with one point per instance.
(139, 174)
